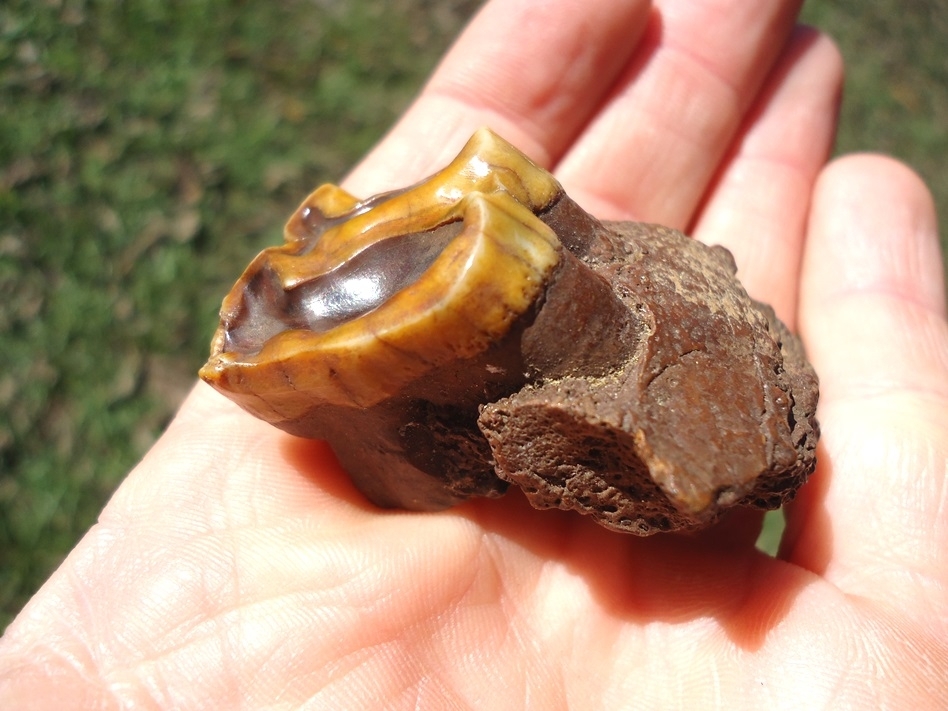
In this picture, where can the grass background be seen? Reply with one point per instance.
(149, 148)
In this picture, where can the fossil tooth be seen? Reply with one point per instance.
(479, 328)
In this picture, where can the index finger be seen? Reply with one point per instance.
(533, 72)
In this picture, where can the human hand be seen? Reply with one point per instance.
(237, 566)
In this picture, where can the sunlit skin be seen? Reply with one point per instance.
(237, 567)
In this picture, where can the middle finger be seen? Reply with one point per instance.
(652, 149)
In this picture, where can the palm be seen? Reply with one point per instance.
(238, 565)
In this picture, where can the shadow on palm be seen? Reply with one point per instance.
(669, 579)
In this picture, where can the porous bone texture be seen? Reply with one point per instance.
(713, 407)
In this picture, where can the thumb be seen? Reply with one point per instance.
(872, 315)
